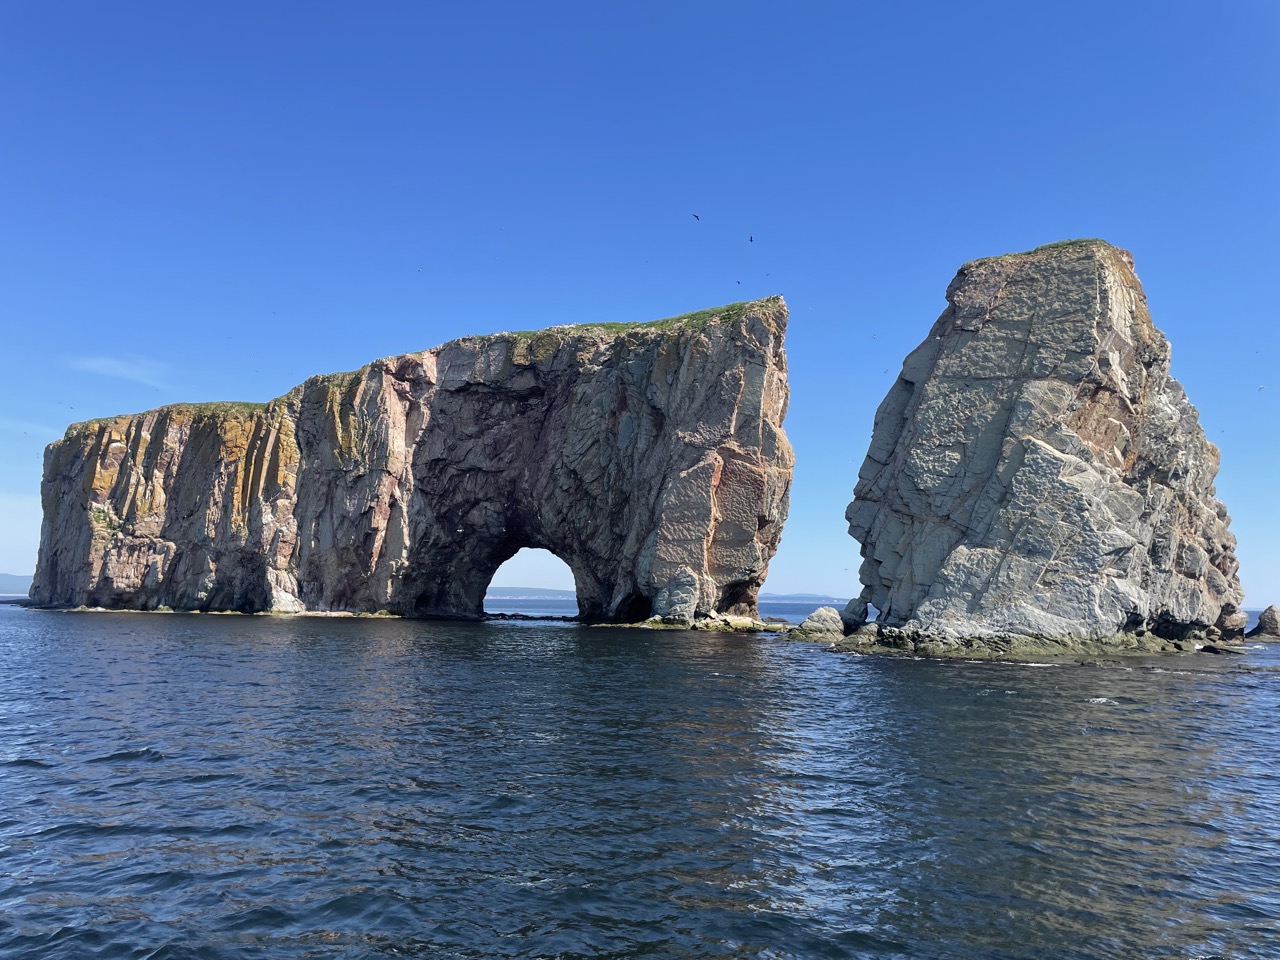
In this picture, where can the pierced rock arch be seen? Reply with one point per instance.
(649, 457)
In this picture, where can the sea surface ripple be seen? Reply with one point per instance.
(226, 787)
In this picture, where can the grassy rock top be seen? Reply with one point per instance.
(221, 409)
(695, 320)
(1058, 246)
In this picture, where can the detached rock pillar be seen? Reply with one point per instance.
(1036, 471)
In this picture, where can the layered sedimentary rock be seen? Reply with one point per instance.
(650, 458)
(1036, 471)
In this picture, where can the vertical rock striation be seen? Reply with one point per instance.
(1036, 471)
(650, 458)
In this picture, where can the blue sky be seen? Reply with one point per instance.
(215, 201)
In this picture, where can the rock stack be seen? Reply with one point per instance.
(1268, 625)
(1035, 471)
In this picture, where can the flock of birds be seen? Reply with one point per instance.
(750, 239)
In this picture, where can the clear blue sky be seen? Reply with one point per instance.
(215, 201)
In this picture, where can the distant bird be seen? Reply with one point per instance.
(696, 217)
(1263, 387)
(739, 282)
(751, 239)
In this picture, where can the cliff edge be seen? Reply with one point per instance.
(649, 457)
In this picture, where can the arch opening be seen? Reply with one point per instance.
(533, 582)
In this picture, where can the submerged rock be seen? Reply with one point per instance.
(1268, 625)
(1036, 472)
(649, 457)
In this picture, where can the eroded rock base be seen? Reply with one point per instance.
(827, 626)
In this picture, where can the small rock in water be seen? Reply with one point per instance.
(1268, 627)
(823, 623)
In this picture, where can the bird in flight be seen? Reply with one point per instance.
(751, 239)
(696, 217)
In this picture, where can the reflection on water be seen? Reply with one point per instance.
(229, 786)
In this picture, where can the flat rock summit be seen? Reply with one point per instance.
(1035, 471)
(649, 457)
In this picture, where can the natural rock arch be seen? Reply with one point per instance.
(649, 457)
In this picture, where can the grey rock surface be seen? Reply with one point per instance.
(1268, 625)
(1036, 471)
(649, 457)
(823, 623)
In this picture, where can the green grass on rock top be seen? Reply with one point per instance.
(695, 320)
(1046, 247)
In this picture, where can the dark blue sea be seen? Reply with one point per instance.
(185, 786)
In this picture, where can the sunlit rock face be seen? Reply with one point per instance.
(649, 457)
(1035, 470)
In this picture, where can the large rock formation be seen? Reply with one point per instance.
(1036, 471)
(650, 458)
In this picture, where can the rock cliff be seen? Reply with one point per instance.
(649, 457)
(1036, 471)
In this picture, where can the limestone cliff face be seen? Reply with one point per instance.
(650, 458)
(1035, 470)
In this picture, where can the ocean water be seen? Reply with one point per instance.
(223, 786)
(790, 610)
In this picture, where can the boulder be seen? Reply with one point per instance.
(1268, 625)
(1035, 470)
(823, 624)
(649, 457)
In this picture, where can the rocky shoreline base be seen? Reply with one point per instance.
(827, 625)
